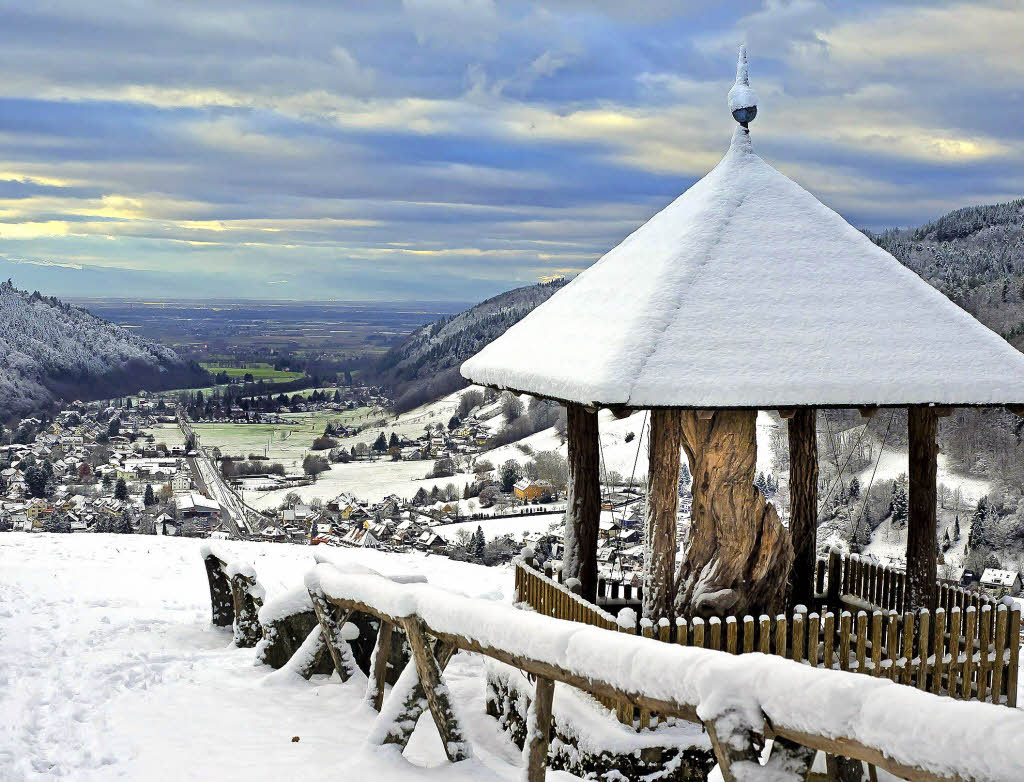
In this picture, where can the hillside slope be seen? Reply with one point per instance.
(975, 256)
(425, 366)
(50, 350)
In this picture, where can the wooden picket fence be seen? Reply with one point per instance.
(968, 651)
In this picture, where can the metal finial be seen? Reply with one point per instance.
(742, 99)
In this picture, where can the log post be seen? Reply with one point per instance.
(379, 672)
(247, 628)
(452, 738)
(538, 730)
(664, 444)
(332, 621)
(922, 566)
(406, 702)
(583, 503)
(221, 600)
(803, 504)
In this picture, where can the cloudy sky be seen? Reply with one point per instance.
(451, 149)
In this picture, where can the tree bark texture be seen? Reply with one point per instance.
(922, 426)
(739, 554)
(583, 503)
(803, 504)
(664, 443)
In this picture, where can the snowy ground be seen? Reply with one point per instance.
(110, 670)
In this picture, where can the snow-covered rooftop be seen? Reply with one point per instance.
(746, 291)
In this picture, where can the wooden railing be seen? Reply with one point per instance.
(739, 704)
(968, 652)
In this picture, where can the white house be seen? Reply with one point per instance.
(994, 578)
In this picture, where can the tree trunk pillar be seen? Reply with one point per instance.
(583, 503)
(739, 554)
(664, 444)
(922, 565)
(803, 504)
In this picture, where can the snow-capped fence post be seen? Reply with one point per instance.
(436, 692)
(221, 600)
(538, 730)
(247, 595)
(664, 443)
(833, 585)
(583, 500)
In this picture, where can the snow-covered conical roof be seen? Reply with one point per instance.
(746, 291)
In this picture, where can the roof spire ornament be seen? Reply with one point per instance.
(742, 99)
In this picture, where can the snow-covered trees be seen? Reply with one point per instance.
(48, 348)
(313, 465)
(509, 474)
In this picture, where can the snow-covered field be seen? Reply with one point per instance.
(110, 670)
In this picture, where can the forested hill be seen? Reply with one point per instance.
(975, 256)
(51, 350)
(426, 365)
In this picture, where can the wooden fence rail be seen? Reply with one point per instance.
(969, 652)
(947, 741)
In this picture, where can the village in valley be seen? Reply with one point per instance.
(133, 465)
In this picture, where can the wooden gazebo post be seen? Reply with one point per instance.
(803, 501)
(922, 563)
(664, 444)
(583, 500)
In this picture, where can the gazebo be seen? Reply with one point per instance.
(745, 293)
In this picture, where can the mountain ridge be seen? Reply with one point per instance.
(51, 350)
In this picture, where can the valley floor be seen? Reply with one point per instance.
(110, 669)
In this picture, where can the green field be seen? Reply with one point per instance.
(258, 369)
(285, 442)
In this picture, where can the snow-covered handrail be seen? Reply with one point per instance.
(912, 734)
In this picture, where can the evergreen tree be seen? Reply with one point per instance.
(420, 498)
(853, 491)
(121, 490)
(956, 528)
(393, 441)
(479, 543)
(685, 479)
(149, 498)
(124, 524)
(380, 444)
(36, 480)
(899, 508)
(510, 473)
(760, 484)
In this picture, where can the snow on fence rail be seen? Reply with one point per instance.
(912, 734)
(969, 652)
